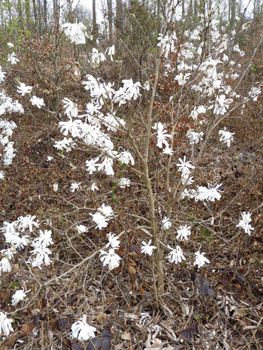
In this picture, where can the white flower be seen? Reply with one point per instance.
(245, 222)
(55, 187)
(126, 157)
(184, 167)
(106, 165)
(111, 259)
(222, 104)
(5, 324)
(200, 260)
(194, 137)
(40, 249)
(213, 193)
(176, 255)
(124, 182)
(76, 32)
(36, 101)
(161, 135)
(131, 89)
(110, 51)
(18, 296)
(107, 211)
(183, 232)
(187, 180)
(2, 76)
(12, 58)
(182, 78)
(168, 150)
(147, 247)
(75, 186)
(100, 220)
(226, 136)
(94, 187)
(23, 89)
(10, 45)
(166, 223)
(27, 221)
(2, 175)
(81, 228)
(82, 330)
(96, 57)
(114, 241)
(5, 265)
(49, 158)
(91, 165)
(71, 108)
(64, 144)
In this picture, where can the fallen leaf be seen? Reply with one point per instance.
(28, 327)
(125, 336)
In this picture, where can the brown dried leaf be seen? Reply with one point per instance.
(101, 317)
(142, 291)
(132, 270)
(28, 327)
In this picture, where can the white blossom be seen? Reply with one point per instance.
(200, 260)
(96, 57)
(81, 228)
(5, 265)
(91, 165)
(82, 330)
(94, 187)
(183, 232)
(111, 259)
(75, 186)
(176, 255)
(147, 248)
(12, 58)
(5, 324)
(18, 296)
(245, 222)
(226, 136)
(110, 51)
(71, 108)
(36, 101)
(76, 32)
(161, 135)
(23, 89)
(166, 223)
(114, 241)
(124, 182)
(184, 166)
(126, 157)
(194, 137)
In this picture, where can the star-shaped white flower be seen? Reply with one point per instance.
(200, 260)
(82, 330)
(147, 248)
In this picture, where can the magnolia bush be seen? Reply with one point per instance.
(144, 143)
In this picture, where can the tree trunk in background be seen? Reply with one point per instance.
(35, 13)
(109, 3)
(117, 24)
(27, 8)
(45, 13)
(20, 14)
(94, 22)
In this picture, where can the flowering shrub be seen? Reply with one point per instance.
(145, 165)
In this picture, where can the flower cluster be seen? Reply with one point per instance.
(102, 216)
(111, 259)
(17, 234)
